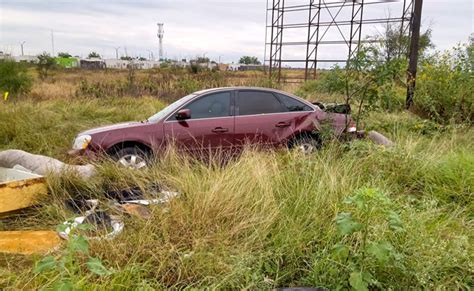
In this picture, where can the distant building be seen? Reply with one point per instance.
(93, 63)
(244, 67)
(116, 64)
(233, 67)
(67, 62)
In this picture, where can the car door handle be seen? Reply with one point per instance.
(220, 130)
(282, 124)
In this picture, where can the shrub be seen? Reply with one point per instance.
(45, 64)
(14, 77)
(445, 86)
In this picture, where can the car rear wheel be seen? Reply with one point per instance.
(132, 158)
(306, 144)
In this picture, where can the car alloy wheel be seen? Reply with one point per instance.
(306, 148)
(132, 161)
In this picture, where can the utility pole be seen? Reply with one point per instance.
(116, 52)
(52, 42)
(21, 44)
(414, 48)
(160, 39)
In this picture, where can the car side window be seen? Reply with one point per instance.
(292, 104)
(209, 106)
(257, 102)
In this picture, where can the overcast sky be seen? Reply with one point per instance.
(226, 28)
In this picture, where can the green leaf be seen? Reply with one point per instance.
(79, 244)
(357, 281)
(63, 285)
(61, 227)
(47, 263)
(346, 224)
(341, 251)
(95, 266)
(394, 221)
(381, 251)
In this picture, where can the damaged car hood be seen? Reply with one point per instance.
(106, 128)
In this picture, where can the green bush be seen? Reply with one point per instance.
(445, 87)
(332, 82)
(46, 63)
(14, 78)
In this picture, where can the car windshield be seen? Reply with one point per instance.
(170, 108)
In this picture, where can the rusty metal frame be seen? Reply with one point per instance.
(317, 29)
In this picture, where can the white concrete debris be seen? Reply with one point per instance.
(42, 165)
(380, 139)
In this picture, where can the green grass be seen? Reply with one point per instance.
(266, 219)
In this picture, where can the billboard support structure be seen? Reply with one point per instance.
(323, 15)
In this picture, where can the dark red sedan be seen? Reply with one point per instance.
(220, 118)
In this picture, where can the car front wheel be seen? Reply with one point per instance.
(132, 158)
(306, 144)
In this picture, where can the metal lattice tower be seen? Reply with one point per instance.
(160, 39)
(344, 18)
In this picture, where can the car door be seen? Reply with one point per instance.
(211, 125)
(265, 118)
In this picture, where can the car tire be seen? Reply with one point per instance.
(306, 144)
(132, 158)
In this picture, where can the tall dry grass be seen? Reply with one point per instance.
(263, 220)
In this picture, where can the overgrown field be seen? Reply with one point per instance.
(352, 215)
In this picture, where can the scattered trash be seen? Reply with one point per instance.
(19, 189)
(82, 205)
(100, 219)
(133, 193)
(136, 195)
(166, 197)
(29, 242)
(42, 165)
(136, 210)
(22, 183)
(130, 200)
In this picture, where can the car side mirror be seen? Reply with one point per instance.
(183, 114)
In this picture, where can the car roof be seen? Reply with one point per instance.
(239, 88)
(205, 91)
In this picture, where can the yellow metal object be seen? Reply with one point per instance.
(29, 242)
(19, 189)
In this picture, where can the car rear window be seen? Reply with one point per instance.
(257, 102)
(292, 104)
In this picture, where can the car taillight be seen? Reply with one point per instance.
(351, 127)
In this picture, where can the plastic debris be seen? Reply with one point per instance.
(99, 218)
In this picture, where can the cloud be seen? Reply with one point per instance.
(194, 27)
